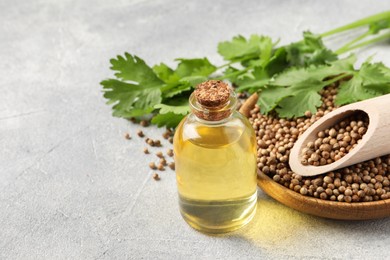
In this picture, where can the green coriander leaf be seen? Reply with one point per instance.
(352, 90)
(131, 100)
(176, 106)
(384, 86)
(378, 26)
(295, 91)
(194, 67)
(297, 105)
(254, 81)
(310, 51)
(374, 73)
(321, 56)
(373, 79)
(241, 48)
(165, 73)
(231, 74)
(278, 62)
(270, 97)
(173, 89)
(169, 119)
(312, 41)
(181, 110)
(294, 100)
(189, 73)
(131, 68)
(194, 80)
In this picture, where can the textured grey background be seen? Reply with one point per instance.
(71, 187)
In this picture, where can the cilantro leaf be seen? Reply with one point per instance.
(165, 73)
(302, 101)
(176, 106)
(173, 89)
(310, 51)
(139, 91)
(188, 74)
(352, 91)
(370, 81)
(240, 48)
(169, 119)
(132, 68)
(294, 100)
(295, 91)
(131, 100)
(194, 67)
(255, 80)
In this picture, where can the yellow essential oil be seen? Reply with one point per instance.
(215, 160)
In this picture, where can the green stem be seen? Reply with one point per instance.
(359, 38)
(359, 23)
(368, 42)
(226, 64)
(333, 80)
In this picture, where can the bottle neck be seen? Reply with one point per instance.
(213, 115)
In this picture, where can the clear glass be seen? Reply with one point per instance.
(216, 170)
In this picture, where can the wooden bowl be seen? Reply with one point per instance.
(323, 208)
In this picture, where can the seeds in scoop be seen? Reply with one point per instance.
(337, 141)
(156, 177)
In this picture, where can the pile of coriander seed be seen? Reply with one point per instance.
(362, 182)
(334, 143)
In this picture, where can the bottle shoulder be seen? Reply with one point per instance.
(235, 127)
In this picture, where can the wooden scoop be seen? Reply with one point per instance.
(375, 142)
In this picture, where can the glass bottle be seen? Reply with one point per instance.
(215, 161)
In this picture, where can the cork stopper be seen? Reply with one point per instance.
(212, 93)
(213, 100)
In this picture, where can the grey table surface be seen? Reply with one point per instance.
(71, 187)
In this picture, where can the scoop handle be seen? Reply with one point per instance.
(375, 142)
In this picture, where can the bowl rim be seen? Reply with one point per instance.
(314, 206)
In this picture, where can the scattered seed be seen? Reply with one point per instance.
(172, 165)
(127, 136)
(144, 123)
(140, 133)
(156, 176)
(346, 139)
(170, 152)
(161, 167)
(160, 155)
(163, 162)
(149, 141)
(152, 166)
(146, 151)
